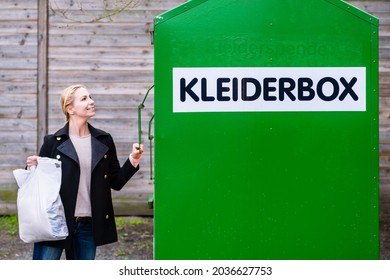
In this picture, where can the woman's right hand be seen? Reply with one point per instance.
(32, 161)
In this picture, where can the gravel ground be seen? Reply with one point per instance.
(135, 242)
(385, 223)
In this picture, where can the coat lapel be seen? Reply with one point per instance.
(99, 149)
(68, 149)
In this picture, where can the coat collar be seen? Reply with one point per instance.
(64, 131)
(99, 149)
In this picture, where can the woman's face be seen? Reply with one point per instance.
(82, 106)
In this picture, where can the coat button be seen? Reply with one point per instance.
(105, 156)
(58, 138)
(58, 156)
(105, 176)
(107, 216)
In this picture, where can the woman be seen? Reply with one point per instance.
(90, 169)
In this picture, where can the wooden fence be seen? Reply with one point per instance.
(48, 45)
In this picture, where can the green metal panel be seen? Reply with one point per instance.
(271, 184)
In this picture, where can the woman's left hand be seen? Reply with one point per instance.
(137, 151)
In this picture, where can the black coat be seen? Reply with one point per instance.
(106, 175)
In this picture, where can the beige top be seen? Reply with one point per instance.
(84, 153)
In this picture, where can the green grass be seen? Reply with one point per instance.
(121, 223)
(9, 224)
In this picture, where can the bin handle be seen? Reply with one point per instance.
(150, 137)
(140, 107)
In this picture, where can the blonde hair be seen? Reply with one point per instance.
(66, 98)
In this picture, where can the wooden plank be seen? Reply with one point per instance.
(18, 4)
(9, 52)
(16, 136)
(101, 40)
(19, 112)
(18, 14)
(19, 63)
(7, 125)
(16, 75)
(13, 40)
(68, 77)
(128, 16)
(101, 63)
(94, 52)
(112, 29)
(20, 27)
(20, 150)
(42, 79)
(372, 6)
(384, 41)
(11, 99)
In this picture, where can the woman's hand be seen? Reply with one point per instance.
(137, 151)
(32, 161)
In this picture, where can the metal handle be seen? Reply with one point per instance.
(140, 107)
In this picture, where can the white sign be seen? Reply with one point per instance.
(266, 89)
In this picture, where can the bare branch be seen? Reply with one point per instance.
(108, 10)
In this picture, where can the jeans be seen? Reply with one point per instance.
(83, 246)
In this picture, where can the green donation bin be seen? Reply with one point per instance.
(266, 131)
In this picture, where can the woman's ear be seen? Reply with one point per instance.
(70, 110)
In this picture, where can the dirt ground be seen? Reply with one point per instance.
(136, 238)
(135, 242)
(385, 223)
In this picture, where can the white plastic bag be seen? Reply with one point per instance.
(40, 211)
